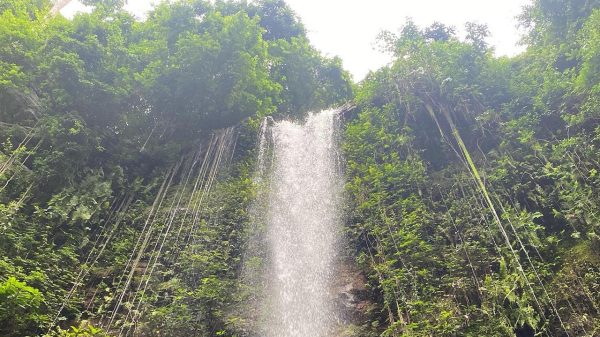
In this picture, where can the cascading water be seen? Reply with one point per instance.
(302, 222)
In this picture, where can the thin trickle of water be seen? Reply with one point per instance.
(302, 217)
(263, 148)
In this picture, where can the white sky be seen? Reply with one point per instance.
(348, 28)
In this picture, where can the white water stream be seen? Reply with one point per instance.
(303, 220)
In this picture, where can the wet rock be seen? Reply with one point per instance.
(352, 297)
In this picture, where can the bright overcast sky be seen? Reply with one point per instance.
(348, 28)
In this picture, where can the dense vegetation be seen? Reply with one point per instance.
(472, 181)
(104, 116)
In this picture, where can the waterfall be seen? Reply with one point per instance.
(302, 224)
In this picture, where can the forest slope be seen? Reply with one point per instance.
(472, 181)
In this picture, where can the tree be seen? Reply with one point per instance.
(278, 20)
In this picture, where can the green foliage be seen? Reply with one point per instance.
(85, 329)
(556, 21)
(278, 20)
(215, 74)
(21, 308)
(446, 260)
(94, 110)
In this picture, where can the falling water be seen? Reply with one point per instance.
(302, 218)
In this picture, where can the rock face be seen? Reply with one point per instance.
(352, 298)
